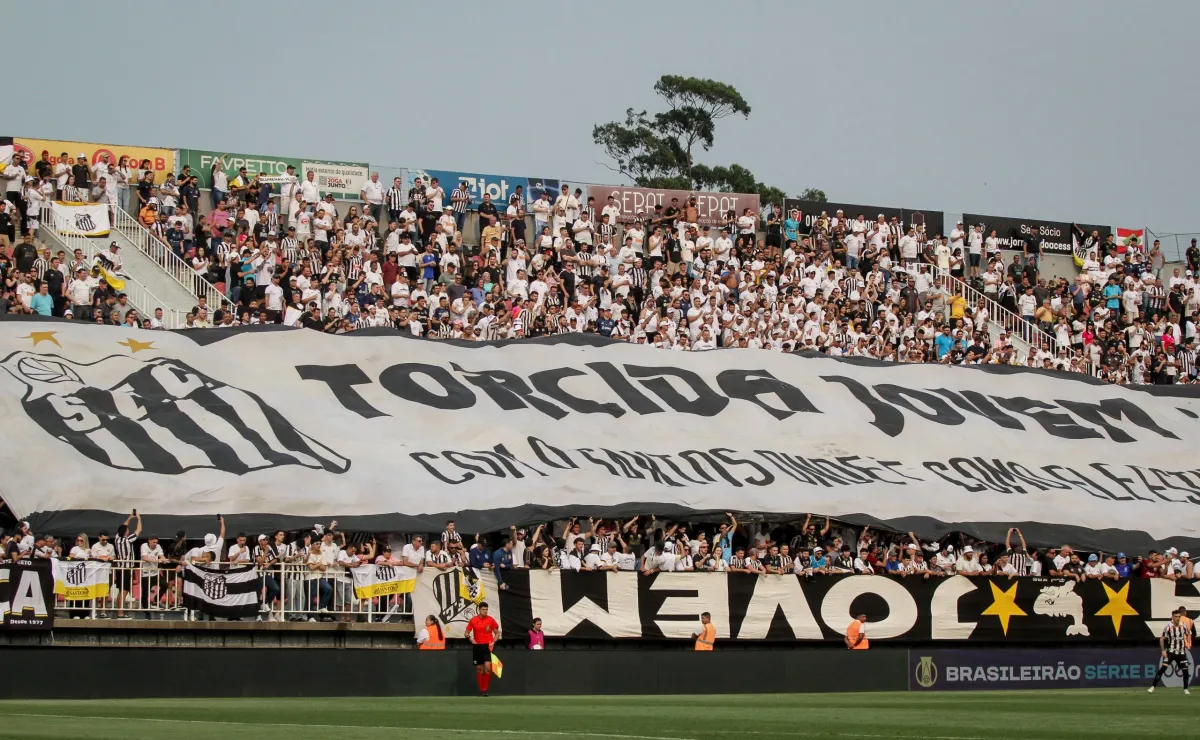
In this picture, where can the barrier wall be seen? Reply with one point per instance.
(313, 673)
(139, 672)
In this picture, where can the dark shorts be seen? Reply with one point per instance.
(123, 578)
(974, 260)
(1179, 660)
(481, 655)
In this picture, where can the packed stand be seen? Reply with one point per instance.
(844, 285)
(304, 575)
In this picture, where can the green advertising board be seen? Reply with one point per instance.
(343, 179)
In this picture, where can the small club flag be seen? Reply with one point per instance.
(497, 667)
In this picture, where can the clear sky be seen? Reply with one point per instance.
(1060, 109)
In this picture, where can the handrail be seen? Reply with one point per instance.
(1011, 322)
(171, 263)
(139, 295)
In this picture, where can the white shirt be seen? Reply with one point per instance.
(373, 192)
(102, 550)
(968, 566)
(412, 554)
(308, 192)
(274, 295)
(153, 552)
(239, 553)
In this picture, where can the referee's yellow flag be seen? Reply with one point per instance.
(497, 667)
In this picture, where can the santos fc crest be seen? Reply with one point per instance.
(161, 416)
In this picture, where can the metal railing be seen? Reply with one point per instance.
(171, 263)
(1027, 332)
(139, 295)
(288, 592)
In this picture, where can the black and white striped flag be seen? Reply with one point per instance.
(230, 594)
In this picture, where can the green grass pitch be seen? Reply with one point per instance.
(1028, 715)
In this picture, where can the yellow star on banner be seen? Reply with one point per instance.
(1004, 605)
(135, 346)
(1117, 606)
(41, 336)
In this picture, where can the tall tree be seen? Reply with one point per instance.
(660, 151)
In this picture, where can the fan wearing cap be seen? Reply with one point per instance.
(1174, 566)
(945, 560)
(1092, 569)
(659, 558)
(210, 551)
(968, 564)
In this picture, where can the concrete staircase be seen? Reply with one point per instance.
(138, 289)
(155, 265)
(1025, 337)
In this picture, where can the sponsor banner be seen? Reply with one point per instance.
(929, 222)
(231, 593)
(6, 152)
(453, 596)
(81, 219)
(26, 595)
(499, 187)
(506, 429)
(382, 580)
(81, 579)
(274, 169)
(743, 606)
(1069, 668)
(162, 161)
(1055, 237)
(712, 207)
(344, 179)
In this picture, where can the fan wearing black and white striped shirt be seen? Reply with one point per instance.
(125, 559)
(1018, 557)
(450, 535)
(1175, 641)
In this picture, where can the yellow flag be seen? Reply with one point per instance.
(497, 667)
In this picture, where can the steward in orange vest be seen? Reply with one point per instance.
(432, 637)
(856, 634)
(707, 634)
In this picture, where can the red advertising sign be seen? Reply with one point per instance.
(712, 207)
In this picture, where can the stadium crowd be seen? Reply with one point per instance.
(845, 286)
(146, 576)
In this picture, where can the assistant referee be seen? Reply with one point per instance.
(1175, 640)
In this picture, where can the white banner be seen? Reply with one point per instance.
(81, 579)
(399, 433)
(81, 219)
(382, 580)
(453, 596)
(343, 180)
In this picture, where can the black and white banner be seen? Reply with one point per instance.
(26, 595)
(787, 607)
(232, 593)
(286, 427)
(929, 221)
(1055, 237)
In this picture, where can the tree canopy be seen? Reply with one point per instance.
(659, 150)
